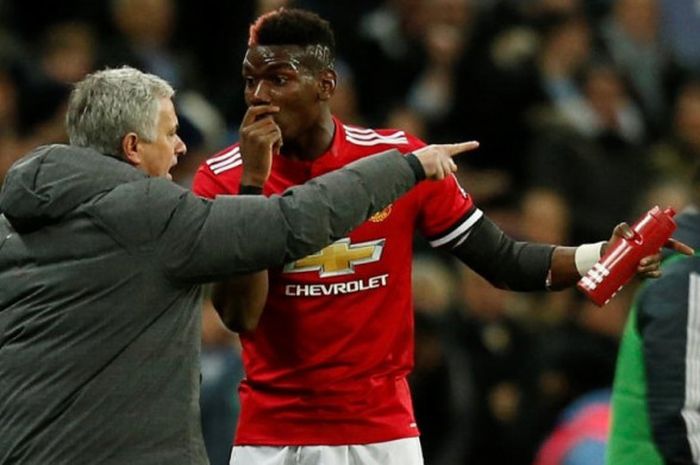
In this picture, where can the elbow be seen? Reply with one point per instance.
(244, 323)
(236, 318)
(240, 301)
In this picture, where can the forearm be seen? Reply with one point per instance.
(330, 206)
(210, 240)
(240, 300)
(570, 263)
(523, 266)
(505, 263)
(563, 271)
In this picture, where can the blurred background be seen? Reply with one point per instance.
(588, 113)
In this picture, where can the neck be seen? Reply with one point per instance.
(313, 142)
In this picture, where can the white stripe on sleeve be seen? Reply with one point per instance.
(462, 229)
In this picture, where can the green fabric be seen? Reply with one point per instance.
(630, 441)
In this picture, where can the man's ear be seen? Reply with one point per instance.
(327, 83)
(130, 148)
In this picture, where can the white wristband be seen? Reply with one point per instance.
(586, 256)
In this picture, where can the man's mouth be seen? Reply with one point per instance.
(172, 165)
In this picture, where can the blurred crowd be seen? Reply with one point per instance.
(588, 113)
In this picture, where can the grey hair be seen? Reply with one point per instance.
(107, 105)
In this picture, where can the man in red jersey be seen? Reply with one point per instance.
(326, 366)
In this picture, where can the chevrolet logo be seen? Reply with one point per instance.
(339, 258)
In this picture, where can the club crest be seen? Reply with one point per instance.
(381, 215)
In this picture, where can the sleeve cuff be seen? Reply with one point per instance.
(245, 189)
(416, 166)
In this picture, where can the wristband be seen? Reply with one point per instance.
(245, 189)
(586, 256)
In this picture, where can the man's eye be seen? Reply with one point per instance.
(281, 80)
(249, 82)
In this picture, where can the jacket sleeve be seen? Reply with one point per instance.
(666, 309)
(202, 240)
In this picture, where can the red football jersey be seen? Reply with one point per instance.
(329, 360)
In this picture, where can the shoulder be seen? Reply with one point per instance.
(372, 141)
(225, 160)
(141, 195)
(220, 173)
(133, 210)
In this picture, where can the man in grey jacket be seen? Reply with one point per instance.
(101, 262)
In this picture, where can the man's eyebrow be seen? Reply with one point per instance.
(272, 65)
(281, 65)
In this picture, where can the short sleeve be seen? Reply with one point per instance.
(447, 212)
(218, 175)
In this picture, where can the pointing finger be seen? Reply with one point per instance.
(454, 149)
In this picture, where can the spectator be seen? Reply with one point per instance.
(591, 156)
(68, 52)
(632, 40)
(673, 159)
(581, 435)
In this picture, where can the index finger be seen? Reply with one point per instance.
(254, 111)
(454, 149)
(679, 246)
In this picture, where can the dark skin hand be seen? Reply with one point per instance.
(565, 274)
(241, 299)
(260, 137)
(649, 267)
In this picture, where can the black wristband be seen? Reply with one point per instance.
(416, 166)
(245, 189)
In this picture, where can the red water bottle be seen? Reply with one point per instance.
(619, 263)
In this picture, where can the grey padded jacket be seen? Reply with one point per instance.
(100, 273)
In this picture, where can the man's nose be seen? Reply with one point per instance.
(180, 147)
(261, 94)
